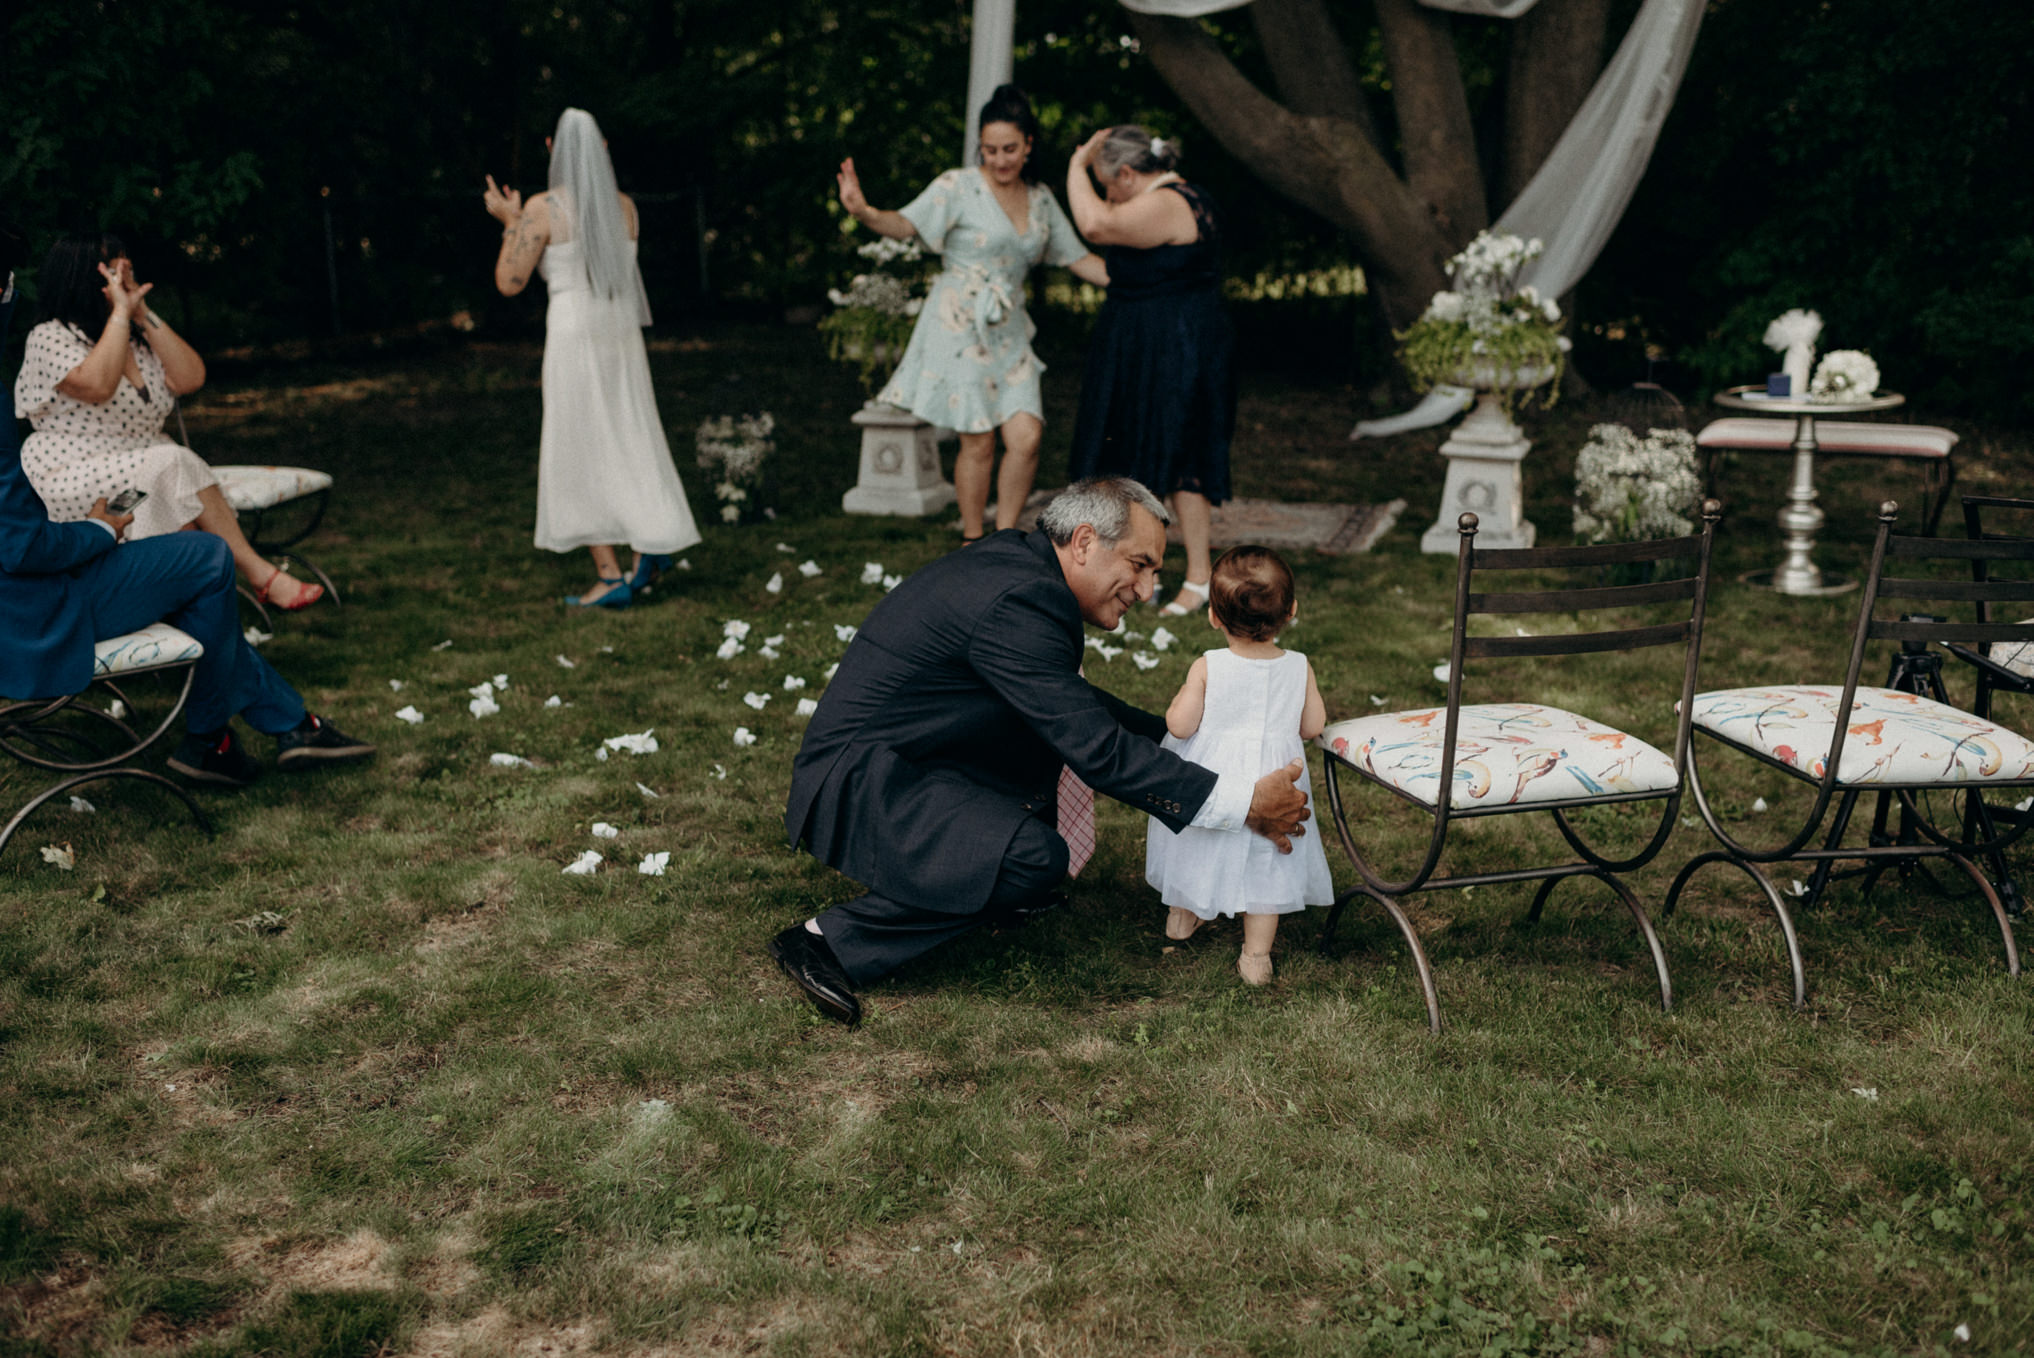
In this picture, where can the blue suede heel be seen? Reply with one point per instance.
(621, 596)
(649, 566)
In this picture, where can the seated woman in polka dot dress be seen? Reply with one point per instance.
(98, 405)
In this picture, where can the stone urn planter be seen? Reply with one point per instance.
(900, 471)
(1484, 474)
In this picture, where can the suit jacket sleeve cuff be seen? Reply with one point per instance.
(105, 525)
(1228, 806)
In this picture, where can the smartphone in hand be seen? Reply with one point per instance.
(126, 500)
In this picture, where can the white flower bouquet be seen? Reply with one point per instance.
(1844, 375)
(734, 449)
(1487, 324)
(872, 319)
(1628, 488)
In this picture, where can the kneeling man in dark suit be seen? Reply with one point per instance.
(930, 771)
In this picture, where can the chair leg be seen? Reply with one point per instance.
(1638, 914)
(36, 802)
(1412, 941)
(1702, 860)
(1998, 911)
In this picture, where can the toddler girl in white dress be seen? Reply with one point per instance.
(1246, 709)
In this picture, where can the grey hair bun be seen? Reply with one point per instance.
(1129, 144)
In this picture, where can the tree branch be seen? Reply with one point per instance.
(1310, 62)
(1433, 117)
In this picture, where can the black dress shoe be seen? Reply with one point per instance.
(1017, 916)
(807, 959)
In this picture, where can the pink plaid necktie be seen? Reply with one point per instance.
(1076, 821)
(1076, 816)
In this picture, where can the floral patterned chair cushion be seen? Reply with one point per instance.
(1894, 738)
(1505, 754)
(247, 487)
(2016, 656)
(154, 645)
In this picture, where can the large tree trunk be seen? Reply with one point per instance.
(1320, 147)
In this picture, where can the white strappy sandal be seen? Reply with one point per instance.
(1179, 608)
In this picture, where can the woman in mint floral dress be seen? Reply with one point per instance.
(969, 366)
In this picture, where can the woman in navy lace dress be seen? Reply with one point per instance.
(1158, 401)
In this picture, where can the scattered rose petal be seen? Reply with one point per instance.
(830, 670)
(608, 649)
(759, 701)
(777, 640)
(649, 792)
(509, 761)
(684, 565)
(1376, 701)
(565, 662)
(61, 855)
(483, 707)
(653, 864)
(720, 687)
(872, 572)
(583, 865)
(744, 737)
(844, 631)
(601, 754)
(792, 683)
(719, 772)
(410, 715)
(1160, 638)
(602, 830)
(554, 701)
(2027, 805)
(1868, 1095)
(501, 682)
(444, 645)
(729, 649)
(642, 742)
(484, 689)
(117, 710)
(255, 636)
(1797, 887)
(82, 807)
(1758, 803)
(1962, 1332)
(806, 707)
(808, 569)
(775, 584)
(891, 582)
(1144, 660)
(770, 653)
(735, 628)
(1688, 821)
(1441, 672)
(1127, 635)
(395, 686)
(787, 549)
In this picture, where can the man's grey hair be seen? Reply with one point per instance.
(1103, 502)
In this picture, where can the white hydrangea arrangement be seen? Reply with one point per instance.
(734, 449)
(1628, 488)
(1487, 325)
(1844, 375)
(872, 319)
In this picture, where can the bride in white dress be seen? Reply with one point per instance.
(604, 472)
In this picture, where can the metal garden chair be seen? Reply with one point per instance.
(1503, 758)
(1910, 748)
(75, 736)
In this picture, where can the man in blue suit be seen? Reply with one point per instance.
(65, 586)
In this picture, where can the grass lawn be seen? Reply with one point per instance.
(369, 1074)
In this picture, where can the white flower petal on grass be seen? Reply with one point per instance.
(1758, 803)
(652, 1110)
(410, 715)
(565, 662)
(872, 572)
(770, 653)
(1869, 1095)
(806, 707)
(584, 865)
(1962, 1332)
(808, 569)
(117, 710)
(775, 584)
(736, 628)
(1144, 660)
(844, 631)
(255, 636)
(1127, 635)
(1441, 672)
(787, 549)
(483, 707)
(642, 742)
(501, 682)
(891, 582)
(395, 686)
(82, 807)
(653, 864)
(444, 645)
(1107, 652)
(61, 855)
(729, 649)
(602, 830)
(759, 701)
(1797, 887)
(744, 737)
(509, 761)
(830, 671)
(777, 640)
(1376, 701)
(484, 689)
(554, 701)
(719, 773)
(792, 683)
(601, 754)
(608, 649)
(647, 791)
(684, 565)
(2027, 805)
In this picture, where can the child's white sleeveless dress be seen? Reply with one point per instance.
(1249, 726)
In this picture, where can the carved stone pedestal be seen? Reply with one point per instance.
(900, 465)
(1484, 478)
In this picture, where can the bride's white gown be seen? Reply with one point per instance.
(604, 473)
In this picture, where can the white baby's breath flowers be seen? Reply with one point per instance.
(1628, 489)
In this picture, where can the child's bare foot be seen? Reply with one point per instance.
(1180, 924)
(1255, 967)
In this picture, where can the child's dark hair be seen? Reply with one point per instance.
(1252, 592)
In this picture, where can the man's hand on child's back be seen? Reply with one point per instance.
(1278, 808)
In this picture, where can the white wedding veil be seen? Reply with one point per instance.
(586, 207)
